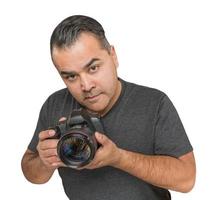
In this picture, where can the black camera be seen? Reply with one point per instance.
(77, 144)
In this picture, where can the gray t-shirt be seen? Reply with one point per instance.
(142, 120)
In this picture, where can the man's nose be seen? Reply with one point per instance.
(86, 83)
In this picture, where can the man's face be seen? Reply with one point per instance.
(89, 72)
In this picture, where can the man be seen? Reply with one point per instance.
(144, 151)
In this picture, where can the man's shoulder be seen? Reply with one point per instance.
(59, 93)
(58, 97)
(145, 92)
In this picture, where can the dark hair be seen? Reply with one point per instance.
(68, 31)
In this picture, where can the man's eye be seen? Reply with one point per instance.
(93, 68)
(70, 77)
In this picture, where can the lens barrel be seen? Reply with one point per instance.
(77, 148)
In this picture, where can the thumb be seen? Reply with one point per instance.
(46, 134)
(62, 119)
(101, 138)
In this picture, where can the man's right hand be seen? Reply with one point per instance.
(47, 150)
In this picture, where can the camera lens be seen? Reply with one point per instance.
(76, 149)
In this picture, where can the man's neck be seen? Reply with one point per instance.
(113, 100)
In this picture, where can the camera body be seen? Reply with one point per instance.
(77, 144)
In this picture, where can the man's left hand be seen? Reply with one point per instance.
(108, 153)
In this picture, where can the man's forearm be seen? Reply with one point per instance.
(34, 169)
(162, 171)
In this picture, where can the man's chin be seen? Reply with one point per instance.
(98, 106)
(96, 109)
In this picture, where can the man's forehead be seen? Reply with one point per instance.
(80, 49)
(80, 55)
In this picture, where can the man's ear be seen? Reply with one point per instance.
(114, 56)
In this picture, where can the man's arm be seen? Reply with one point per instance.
(163, 171)
(34, 169)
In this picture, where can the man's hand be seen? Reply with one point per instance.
(108, 153)
(38, 167)
(47, 149)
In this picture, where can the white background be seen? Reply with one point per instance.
(169, 45)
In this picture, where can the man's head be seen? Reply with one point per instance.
(86, 62)
(68, 31)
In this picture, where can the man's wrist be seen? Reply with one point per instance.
(120, 163)
(46, 168)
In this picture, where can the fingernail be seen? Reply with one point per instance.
(98, 135)
(51, 132)
(62, 119)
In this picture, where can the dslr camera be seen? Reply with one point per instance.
(77, 144)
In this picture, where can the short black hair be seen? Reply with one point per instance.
(68, 31)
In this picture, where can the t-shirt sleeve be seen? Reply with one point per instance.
(170, 136)
(41, 125)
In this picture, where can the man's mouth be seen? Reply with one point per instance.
(91, 97)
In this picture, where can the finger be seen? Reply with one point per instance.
(88, 166)
(101, 138)
(46, 134)
(95, 165)
(53, 159)
(50, 152)
(48, 144)
(58, 164)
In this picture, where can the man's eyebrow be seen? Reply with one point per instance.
(85, 66)
(67, 73)
(91, 62)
